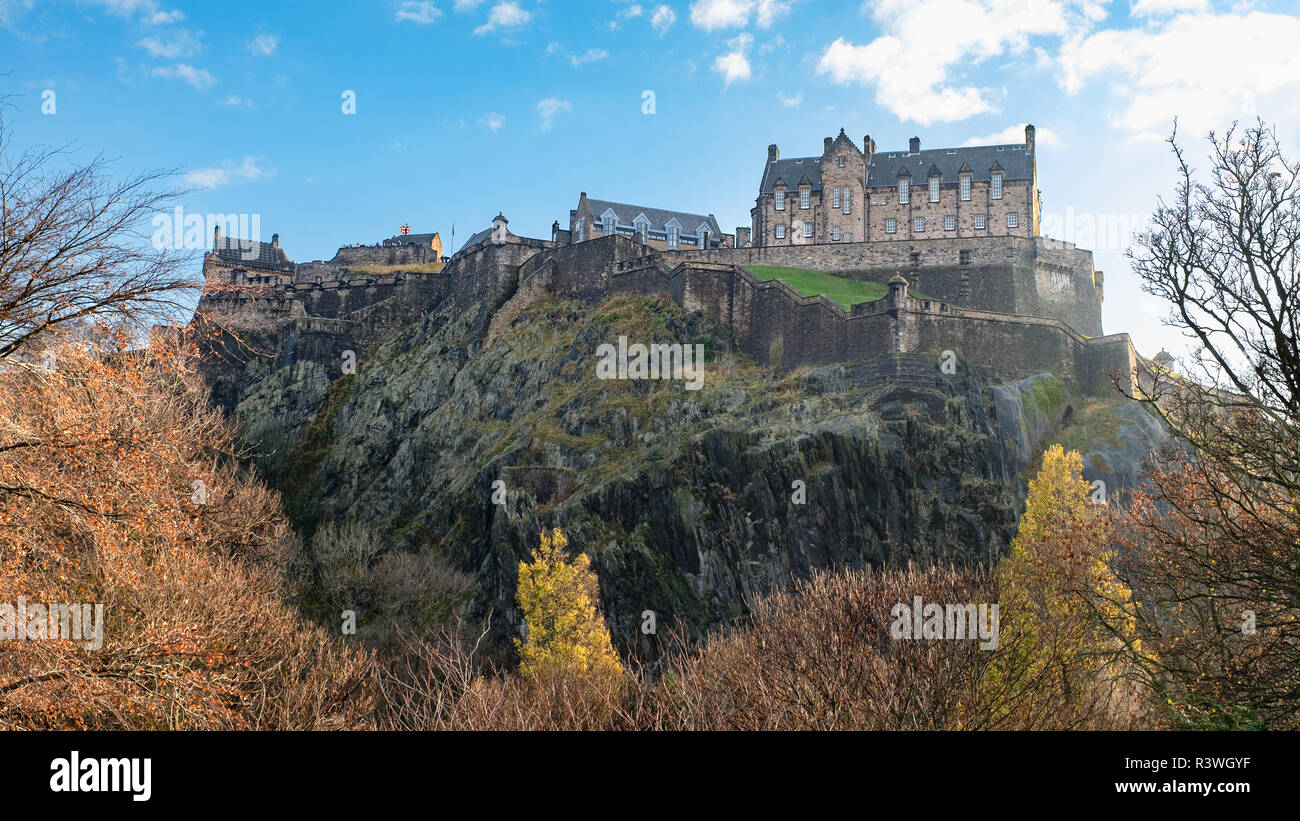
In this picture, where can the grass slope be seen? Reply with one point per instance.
(847, 292)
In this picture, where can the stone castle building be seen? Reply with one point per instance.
(859, 194)
(658, 228)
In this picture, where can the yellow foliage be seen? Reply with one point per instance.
(1065, 615)
(558, 595)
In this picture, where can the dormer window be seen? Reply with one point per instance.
(965, 187)
(934, 189)
(780, 199)
(997, 186)
(673, 234)
(803, 198)
(611, 226)
(904, 194)
(643, 228)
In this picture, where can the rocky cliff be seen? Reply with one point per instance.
(689, 502)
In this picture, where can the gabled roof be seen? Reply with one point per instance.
(658, 217)
(412, 239)
(795, 172)
(251, 253)
(476, 238)
(1012, 159)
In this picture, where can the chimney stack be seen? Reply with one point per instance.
(1029, 139)
(868, 146)
(914, 144)
(826, 145)
(216, 236)
(275, 240)
(773, 153)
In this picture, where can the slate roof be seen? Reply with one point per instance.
(1015, 162)
(476, 238)
(659, 217)
(252, 254)
(411, 239)
(794, 171)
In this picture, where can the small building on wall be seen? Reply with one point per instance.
(658, 228)
(431, 241)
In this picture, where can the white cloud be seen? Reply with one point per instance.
(197, 77)
(417, 11)
(592, 55)
(228, 173)
(493, 121)
(1152, 8)
(235, 101)
(162, 18)
(507, 14)
(663, 19)
(466, 5)
(913, 64)
(719, 14)
(1206, 69)
(172, 44)
(1014, 135)
(734, 65)
(631, 11)
(791, 101)
(549, 108)
(264, 44)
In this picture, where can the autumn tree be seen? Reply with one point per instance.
(558, 598)
(1214, 545)
(1066, 617)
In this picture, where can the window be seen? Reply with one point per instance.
(835, 234)
(642, 228)
(780, 200)
(807, 229)
(965, 188)
(611, 227)
(1013, 220)
(839, 161)
(780, 232)
(979, 220)
(582, 230)
(949, 223)
(848, 202)
(904, 195)
(848, 238)
(673, 233)
(803, 197)
(997, 186)
(934, 189)
(963, 257)
(891, 226)
(835, 198)
(918, 225)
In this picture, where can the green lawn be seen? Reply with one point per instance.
(847, 292)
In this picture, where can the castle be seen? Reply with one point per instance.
(964, 267)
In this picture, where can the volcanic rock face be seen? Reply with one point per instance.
(690, 502)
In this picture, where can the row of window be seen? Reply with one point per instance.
(949, 223)
(905, 188)
(838, 196)
(673, 234)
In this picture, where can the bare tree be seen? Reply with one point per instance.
(1215, 549)
(74, 246)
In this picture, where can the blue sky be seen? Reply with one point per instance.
(465, 108)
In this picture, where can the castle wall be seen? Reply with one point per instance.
(779, 327)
